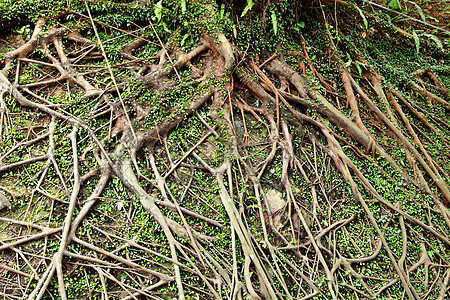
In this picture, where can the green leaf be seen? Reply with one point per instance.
(366, 24)
(416, 41)
(123, 276)
(419, 9)
(433, 19)
(360, 66)
(349, 62)
(273, 16)
(359, 69)
(166, 29)
(248, 7)
(234, 31)
(298, 26)
(349, 57)
(184, 39)
(435, 39)
(183, 6)
(394, 4)
(158, 10)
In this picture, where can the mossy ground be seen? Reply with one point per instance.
(326, 197)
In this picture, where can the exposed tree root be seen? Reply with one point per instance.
(252, 205)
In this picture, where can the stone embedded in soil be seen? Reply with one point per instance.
(275, 204)
(4, 202)
(274, 201)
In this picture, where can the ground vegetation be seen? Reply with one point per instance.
(199, 149)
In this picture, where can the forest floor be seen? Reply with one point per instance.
(183, 150)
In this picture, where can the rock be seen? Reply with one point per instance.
(275, 205)
(4, 202)
(274, 201)
(239, 125)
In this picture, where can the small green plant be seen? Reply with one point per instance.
(247, 8)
